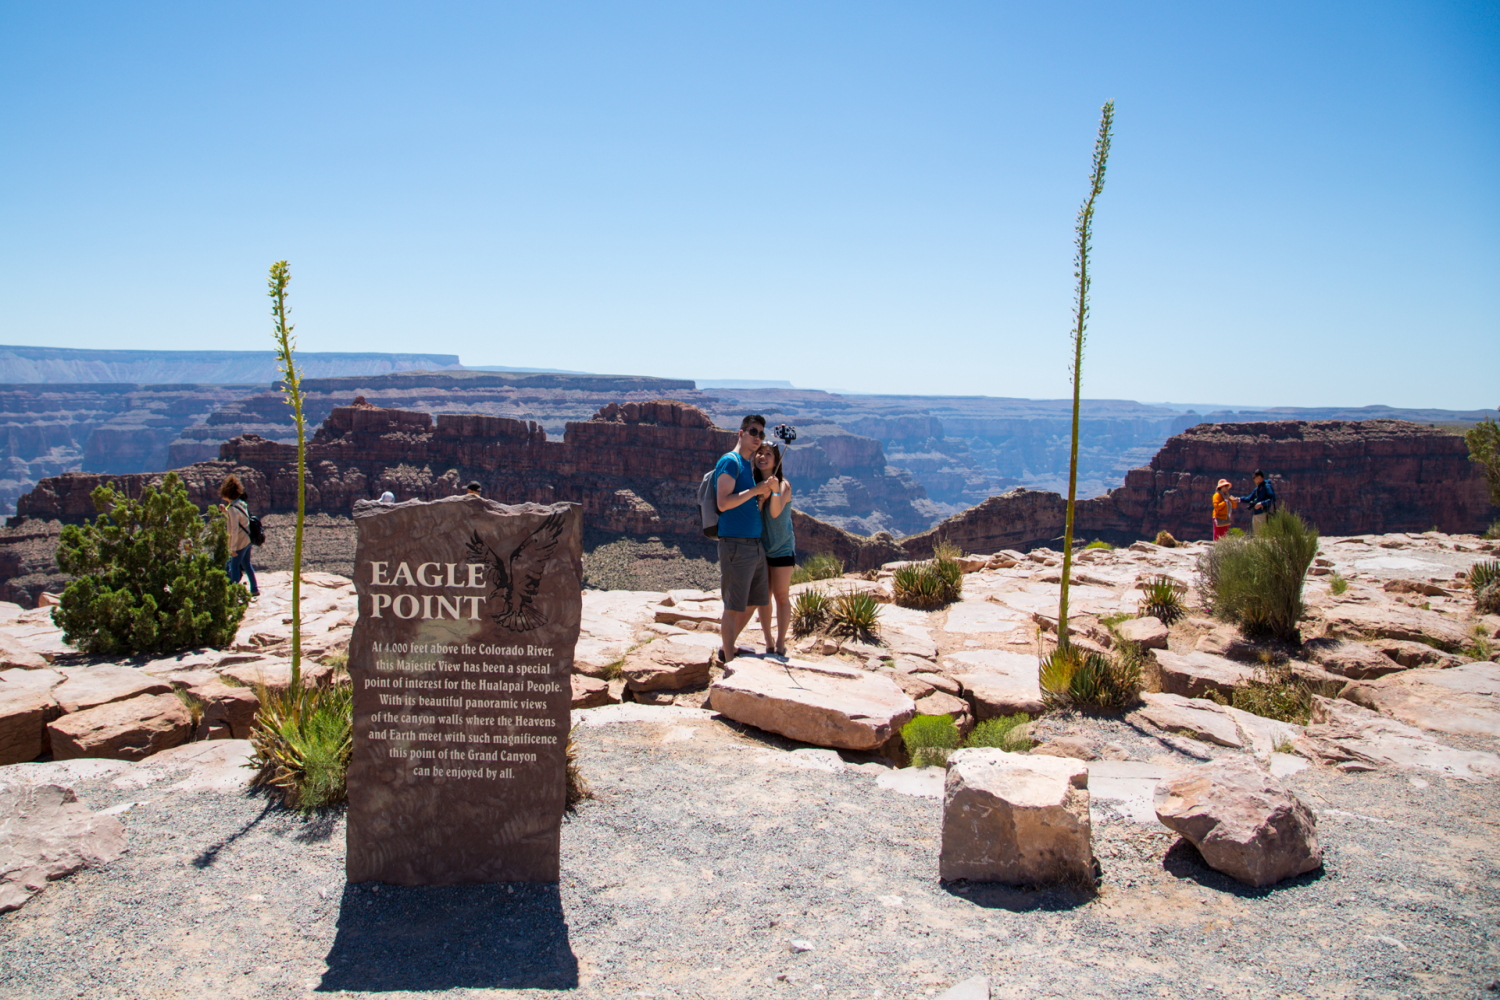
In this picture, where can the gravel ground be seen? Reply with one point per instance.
(708, 850)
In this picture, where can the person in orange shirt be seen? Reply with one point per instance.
(1223, 501)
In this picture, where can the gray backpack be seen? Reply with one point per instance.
(708, 503)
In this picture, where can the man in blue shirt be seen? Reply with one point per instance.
(743, 580)
(1262, 502)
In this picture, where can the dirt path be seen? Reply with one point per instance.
(708, 851)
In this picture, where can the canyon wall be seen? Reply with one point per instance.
(1345, 477)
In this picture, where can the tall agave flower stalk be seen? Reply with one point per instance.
(291, 387)
(1083, 242)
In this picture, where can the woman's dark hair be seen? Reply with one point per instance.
(775, 467)
(231, 489)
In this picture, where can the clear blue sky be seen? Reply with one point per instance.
(1301, 206)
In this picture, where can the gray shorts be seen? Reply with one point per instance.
(742, 573)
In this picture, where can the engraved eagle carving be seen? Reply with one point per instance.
(516, 580)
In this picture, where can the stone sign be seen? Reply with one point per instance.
(461, 659)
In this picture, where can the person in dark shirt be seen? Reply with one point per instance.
(743, 580)
(1261, 501)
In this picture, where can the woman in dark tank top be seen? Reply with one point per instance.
(780, 543)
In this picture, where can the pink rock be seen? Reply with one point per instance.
(45, 834)
(1195, 717)
(590, 692)
(89, 687)
(1244, 822)
(26, 706)
(122, 730)
(1195, 674)
(13, 655)
(1015, 818)
(668, 664)
(228, 712)
(1147, 632)
(825, 704)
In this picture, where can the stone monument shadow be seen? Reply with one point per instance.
(494, 936)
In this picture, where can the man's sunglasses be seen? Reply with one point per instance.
(759, 432)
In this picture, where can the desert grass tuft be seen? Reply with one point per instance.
(1274, 692)
(1165, 540)
(301, 741)
(1006, 732)
(1337, 584)
(820, 566)
(578, 788)
(929, 739)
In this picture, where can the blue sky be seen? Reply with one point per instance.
(871, 196)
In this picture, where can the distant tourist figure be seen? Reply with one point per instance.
(387, 497)
(743, 578)
(1222, 502)
(780, 544)
(1261, 501)
(472, 488)
(237, 519)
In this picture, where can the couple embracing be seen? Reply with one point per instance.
(757, 549)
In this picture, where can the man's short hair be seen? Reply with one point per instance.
(1260, 473)
(754, 418)
(473, 486)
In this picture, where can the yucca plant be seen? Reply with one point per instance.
(1073, 677)
(1162, 599)
(291, 388)
(819, 566)
(1482, 574)
(1005, 732)
(929, 739)
(301, 743)
(854, 613)
(809, 612)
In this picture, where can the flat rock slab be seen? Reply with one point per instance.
(590, 692)
(1147, 632)
(90, 687)
(1351, 659)
(1464, 699)
(1243, 821)
(1015, 819)
(14, 656)
(1351, 620)
(276, 673)
(1125, 787)
(1195, 717)
(228, 712)
(996, 681)
(1193, 675)
(122, 730)
(45, 834)
(206, 766)
(824, 703)
(1342, 731)
(975, 617)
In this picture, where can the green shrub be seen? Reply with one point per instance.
(927, 585)
(148, 576)
(1073, 677)
(820, 566)
(1493, 531)
(1256, 583)
(1162, 599)
(929, 739)
(1007, 732)
(1274, 692)
(1481, 647)
(1235, 533)
(1099, 543)
(854, 613)
(1165, 540)
(302, 739)
(1337, 584)
(1487, 600)
(809, 612)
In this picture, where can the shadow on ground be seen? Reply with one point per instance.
(1183, 861)
(496, 936)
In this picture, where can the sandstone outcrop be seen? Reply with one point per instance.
(1464, 700)
(668, 664)
(827, 704)
(1016, 819)
(1244, 822)
(46, 834)
(997, 682)
(1193, 675)
(26, 706)
(122, 730)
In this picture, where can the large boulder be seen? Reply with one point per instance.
(668, 664)
(228, 711)
(45, 834)
(942, 703)
(1463, 700)
(997, 682)
(90, 687)
(1194, 674)
(1244, 822)
(1017, 819)
(122, 730)
(823, 703)
(1147, 632)
(26, 706)
(590, 692)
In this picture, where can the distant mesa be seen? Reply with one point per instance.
(67, 365)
